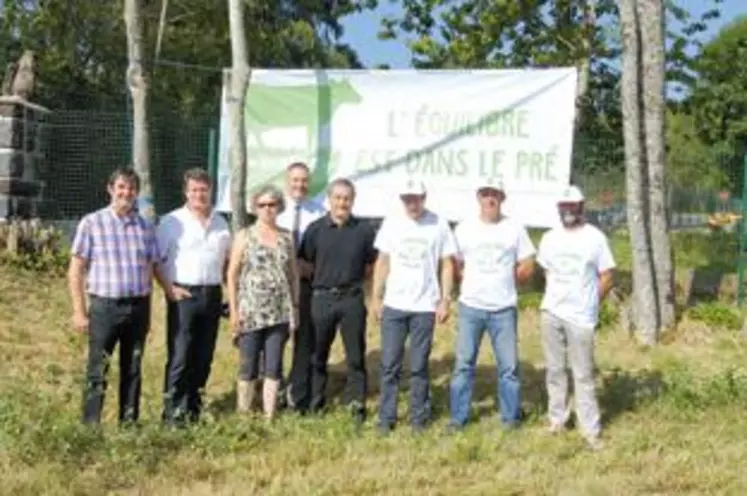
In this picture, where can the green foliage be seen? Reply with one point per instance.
(82, 53)
(691, 163)
(718, 102)
(28, 245)
(609, 315)
(716, 315)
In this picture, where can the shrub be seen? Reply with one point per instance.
(28, 244)
(716, 314)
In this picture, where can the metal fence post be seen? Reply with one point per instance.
(742, 235)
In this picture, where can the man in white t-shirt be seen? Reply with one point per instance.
(494, 252)
(579, 268)
(413, 280)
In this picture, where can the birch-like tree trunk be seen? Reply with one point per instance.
(138, 86)
(239, 81)
(651, 18)
(584, 64)
(644, 303)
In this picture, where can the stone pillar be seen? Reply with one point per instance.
(21, 157)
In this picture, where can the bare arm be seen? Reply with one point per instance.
(447, 278)
(458, 270)
(234, 271)
(380, 274)
(606, 280)
(75, 283)
(524, 270)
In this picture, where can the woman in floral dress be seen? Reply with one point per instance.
(263, 299)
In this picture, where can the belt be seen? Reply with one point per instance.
(120, 300)
(198, 287)
(351, 289)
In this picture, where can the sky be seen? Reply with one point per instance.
(361, 31)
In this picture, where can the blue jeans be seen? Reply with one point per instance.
(395, 327)
(501, 326)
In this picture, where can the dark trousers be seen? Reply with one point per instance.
(303, 349)
(123, 321)
(270, 342)
(396, 325)
(192, 329)
(347, 310)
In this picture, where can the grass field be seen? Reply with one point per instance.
(674, 415)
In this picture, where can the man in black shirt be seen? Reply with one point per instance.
(340, 248)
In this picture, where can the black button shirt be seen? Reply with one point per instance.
(339, 254)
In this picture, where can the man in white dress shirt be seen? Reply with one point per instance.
(195, 242)
(413, 281)
(579, 269)
(300, 211)
(494, 253)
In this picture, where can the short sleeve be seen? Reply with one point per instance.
(543, 251)
(605, 260)
(307, 250)
(448, 241)
(525, 247)
(164, 238)
(383, 240)
(83, 241)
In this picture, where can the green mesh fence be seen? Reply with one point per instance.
(83, 147)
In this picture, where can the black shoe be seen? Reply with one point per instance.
(359, 418)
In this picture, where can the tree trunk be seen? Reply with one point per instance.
(138, 86)
(651, 16)
(644, 299)
(588, 30)
(239, 81)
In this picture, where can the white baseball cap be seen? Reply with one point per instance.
(490, 182)
(571, 194)
(412, 187)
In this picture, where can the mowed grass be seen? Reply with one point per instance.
(675, 421)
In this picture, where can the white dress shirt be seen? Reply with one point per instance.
(308, 210)
(194, 254)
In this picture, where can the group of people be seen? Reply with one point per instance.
(299, 271)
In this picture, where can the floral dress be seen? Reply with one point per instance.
(265, 282)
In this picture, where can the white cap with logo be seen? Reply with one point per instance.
(571, 194)
(490, 182)
(412, 187)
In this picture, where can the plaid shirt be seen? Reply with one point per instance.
(120, 252)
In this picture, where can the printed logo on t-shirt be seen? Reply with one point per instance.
(568, 265)
(491, 257)
(413, 252)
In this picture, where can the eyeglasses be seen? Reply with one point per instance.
(267, 205)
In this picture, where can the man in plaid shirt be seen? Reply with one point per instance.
(113, 258)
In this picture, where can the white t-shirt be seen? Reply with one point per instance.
(573, 260)
(415, 249)
(490, 252)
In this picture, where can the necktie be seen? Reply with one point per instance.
(297, 225)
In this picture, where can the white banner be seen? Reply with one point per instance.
(381, 128)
